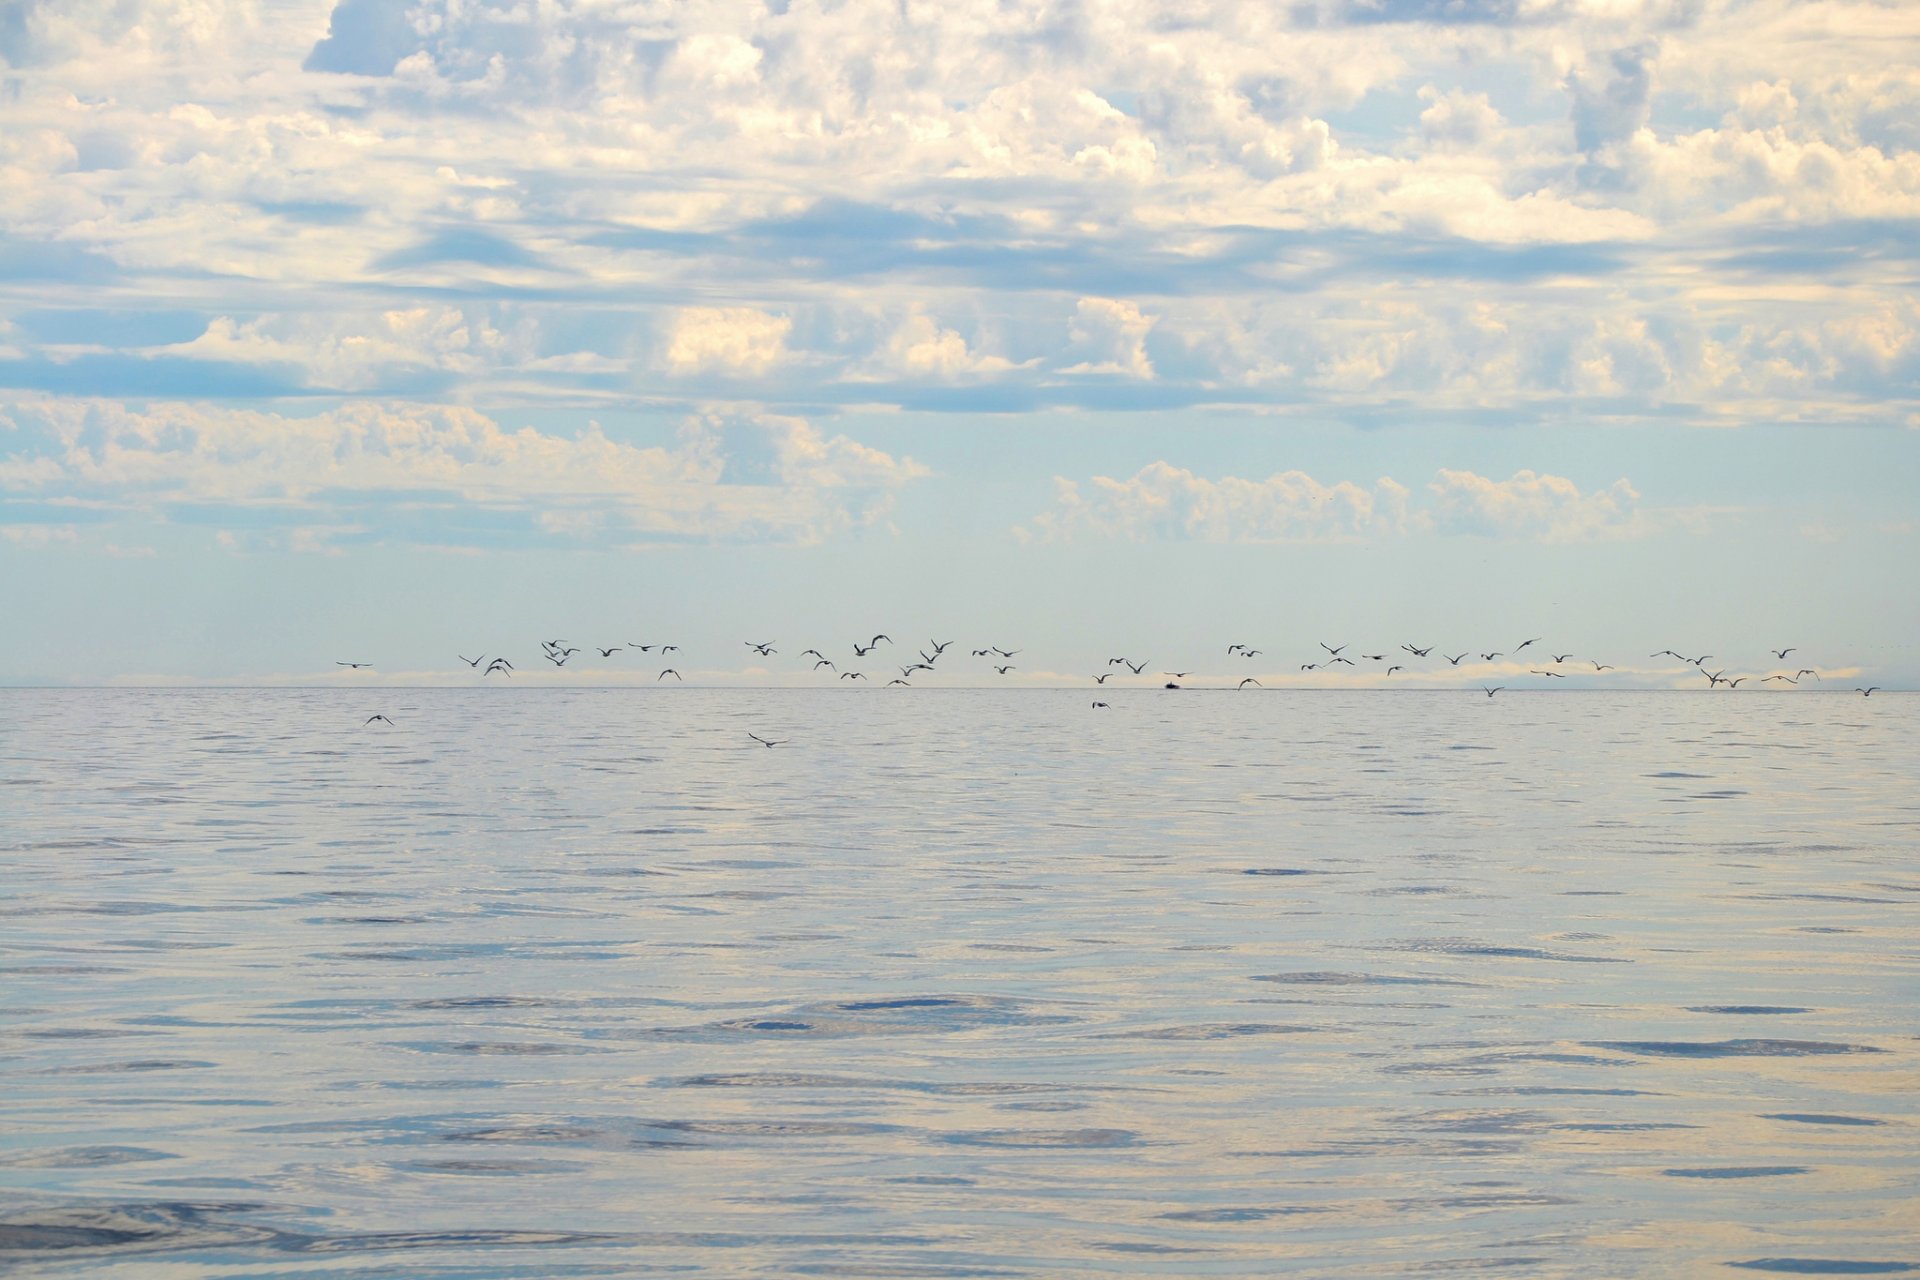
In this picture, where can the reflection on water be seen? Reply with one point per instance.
(589, 984)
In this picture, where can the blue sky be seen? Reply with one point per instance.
(363, 330)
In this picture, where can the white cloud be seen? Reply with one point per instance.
(739, 339)
(1110, 335)
(1162, 501)
(729, 475)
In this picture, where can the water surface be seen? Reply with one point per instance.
(541, 983)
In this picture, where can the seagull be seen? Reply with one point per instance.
(1309, 666)
(1489, 657)
(1374, 657)
(1559, 658)
(1788, 679)
(918, 666)
(824, 662)
(1418, 653)
(669, 648)
(1177, 675)
(608, 653)
(1102, 677)
(353, 665)
(1555, 674)
(1455, 660)
(877, 639)
(558, 660)
(852, 675)
(1003, 670)
(1735, 682)
(892, 683)
(1235, 648)
(1249, 680)
(813, 653)
(1248, 653)
(861, 651)
(1391, 670)
(644, 648)
(1136, 666)
(981, 653)
(1494, 690)
(1601, 666)
(1099, 704)
(1866, 693)
(929, 657)
(1666, 653)
(939, 646)
(1348, 661)
(1695, 661)
(1807, 671)
(472, 662)
(498, 664)
(1008, 653)
(381, 719)
(669, 672)
(1524, 643)
(764, 650)
(1780, 653)
(1116, 662)
(765, 742)
(1330, 649)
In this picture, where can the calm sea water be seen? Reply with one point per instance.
(550, 984)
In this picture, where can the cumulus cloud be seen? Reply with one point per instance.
(729, 474)
(1110, 335)
(1164, 502)
(735, 339)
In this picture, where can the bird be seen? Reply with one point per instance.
(877, 639)
(1866, 693)
(1455, 660)
(1561, 657)
(1555, 674)
(861, 651)
(557, 659)
(669, 648)
(1309, 666)
(1807, 671)
(1780, 653)
(500, 665)
(852, 675)
(1330, 649)
(891, 683)
(1348, 661)
(1008, 653)
(354, 665)
(1695, 661)
(1003, 670)
(1136, 666)
(1249, 680)
(824, 662)
(1116, 662)
(669, 672)
(1788, 679)
(929, 657)
(644, 648)
(1249, 653)
(1099, 704)
(1735, 682)
(918, 666)
(813, 653)
(981, 653)
(371, 719)
(472, 662)
(1391, 670)
(1489, 657)
(1418, 653)
(1102, 677)
(764, 650)
(1374, 657)
(1601, 666)
(939, 646)
(1494, 690)
(1235, 648)
(608, 653)
(765, 742)
(1177, 675)
(1524, 643)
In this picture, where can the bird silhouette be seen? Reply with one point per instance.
(1524, 643)
(608, 653)
(1600, 666)
(852, 675)
(1780, 653)
(371, 719)
(766, 742)
(1330, 649)
(1866, 693)
(1454, 661)
(1249, 680)
(472, 662)
(1099, 704)
(1102, 677)
(1135, 667)
(353, 665)
(1489, 657)
(1003, 670)
(1494, 690)
(764, 650)
(669, 672)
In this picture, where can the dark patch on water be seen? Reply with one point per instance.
(1209, 1031)
(1747, 1008)
(1043, 1138)
(1827, 1266)
(1738, 1171)
(1733, 1048)
(83, 1157)
(1467, 947)
(1240, 1214)
(1330, 978)
(1808, 1117)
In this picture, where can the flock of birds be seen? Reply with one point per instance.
(559, 653)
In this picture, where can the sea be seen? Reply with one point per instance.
(956, 983)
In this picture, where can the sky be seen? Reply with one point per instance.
(366, 331)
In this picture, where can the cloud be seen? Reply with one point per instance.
(1164, 502)
(733, 339)
(1111, 337)
(1546, 507)
(443, 474)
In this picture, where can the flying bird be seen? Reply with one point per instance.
(1494, 690)
(1455, 660)
(764, 650)
(1601, 666)
(1489, 657)
(813, 653)
(354, 665)
(500, 665)
(1524, 643)
(1807, 671)
(1391, 670)
(765, 742)
(1561, 657)
(644, 648)
(1249, 653)
(371, 719)
(1866, 693)
(1249, 680)
(472, 662)
(852, 675)
(1780, 653)
(1418, 653)
(1330, 649)
(1003, 670)
(608, 653)
(1177, 675)
(1555, 674)
(669, 672)
(1102, 677)
(1348, 661)
(1309, 666)
(1136, 666)
(1008, 653)
(824, 662)
(1099, 704)
(892, 683)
